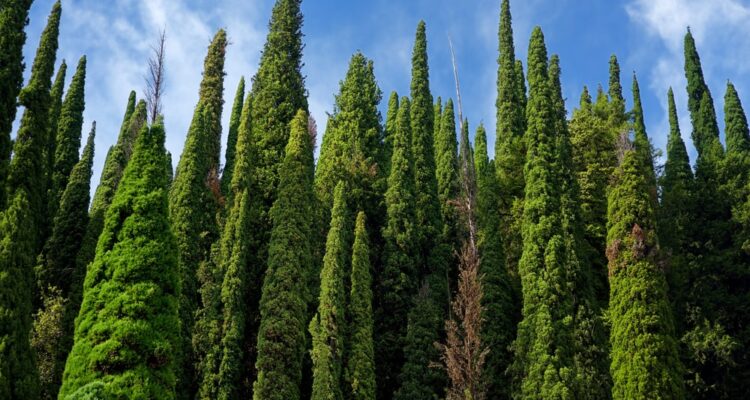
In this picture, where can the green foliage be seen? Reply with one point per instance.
(114, 166)
(27, 170)
(234, 126)
(194, 199)
(56, 101)
(645, 361)
(60, 278)
(328, 325)
(703, 117)
(499, 300)
(128, 328)
(642, 143)
(398, 275)
(446, 154)
(617, 114)
(68, 138)
(391, 124)
(13, 19)
(544, 346)
(283, 305)
(360, 352)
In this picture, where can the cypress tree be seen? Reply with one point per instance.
(676, 212)
(645, 361)
(27, 169)
(544, 345)
(13, 19)
(68, 138)
(446, 153)
(360, 357)
(56, 98)
(57, 272)
(705, 127)
(194, 197)
(234, 125)
(642, 142)
(738, 147)
(127, 331)
(283, 305)
(328, 326)
(278, 93)
(398, 275)
(509, 145)
(20, 223)
(594, 161)
(117, 159)
(617, 114)
(219, 335)
(351, 147)
(391, 124)
(510, 149)
(498, 300)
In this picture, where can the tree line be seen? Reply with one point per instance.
(403, 264)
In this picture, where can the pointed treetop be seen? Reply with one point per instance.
(615, 88)
(678, 163)
(737, 138)
(585, 102)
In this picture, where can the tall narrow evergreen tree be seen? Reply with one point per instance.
(360, 351)
(328, 326)
(446, 154)
(521, 93)
(398, 275)
(194, 197)
(68, 138)
(705, 127)
(498, 301)
(283, 308)
(391, 122)
(234, 125)
(117, 159)
(642, 142)
(13, 19)
(645, 360)
(128, 328)
(544, 346)
(617, 114)
(55, 108)
(57, 272)
(27, 169)
(20, 223)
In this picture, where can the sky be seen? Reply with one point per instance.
(646, 35)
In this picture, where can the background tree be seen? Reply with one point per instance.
(283, 305)
(232, 137)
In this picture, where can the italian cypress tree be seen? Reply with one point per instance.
(56, 100)
(13, 19)
(645, 361)
(278, 93)
(446, 154)
(391, 123)
(589, 334)
(234, 125)
(328, 326)
(57, 271)
(594, 160)
(510, 150)
(193, 199)
(351, 148)
(114, 166)
(676, 212)
(27, 169)
(360, 352)
(20, 223)
(128, 328)
(398, 276)
(220, 329)
(617, 114)
(283, 305)
(68, 138)
(642, 142)
(498, 302)
(705, 128)
(544, 345)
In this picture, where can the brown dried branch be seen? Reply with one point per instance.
(155, 78)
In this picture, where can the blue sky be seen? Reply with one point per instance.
(646, 35)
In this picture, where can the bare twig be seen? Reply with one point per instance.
(155, 77)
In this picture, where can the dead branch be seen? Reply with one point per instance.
(155, 78)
